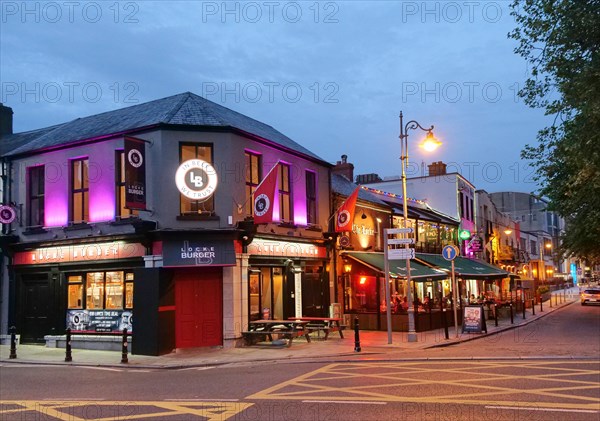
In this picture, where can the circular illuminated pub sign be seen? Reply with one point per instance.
(7, 214)
(196, 179)
(464, 234)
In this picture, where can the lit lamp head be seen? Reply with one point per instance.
(508, 231)
(430, 143)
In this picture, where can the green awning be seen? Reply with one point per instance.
(463, 267)
(418, 271)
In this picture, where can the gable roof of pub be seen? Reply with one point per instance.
(186, 110)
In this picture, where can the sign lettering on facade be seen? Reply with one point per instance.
(198, 253)
(80, 253)
(285, 248)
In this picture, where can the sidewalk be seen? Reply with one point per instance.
(372, 343)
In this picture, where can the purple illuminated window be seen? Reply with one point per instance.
(122, 211)
(285, 193)
(196, 151)
(311, 197)
(253, 178)
(35, 196)
(80, 189)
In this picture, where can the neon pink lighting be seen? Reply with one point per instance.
(56, 202)
(300, 217)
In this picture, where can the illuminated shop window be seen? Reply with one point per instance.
(75, 292)
(102, 290)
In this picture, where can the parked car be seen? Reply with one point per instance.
(590, 296)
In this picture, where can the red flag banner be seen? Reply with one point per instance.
(345, 214)
(266, 199)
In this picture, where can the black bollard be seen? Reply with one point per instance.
(356, 336)
(68, 356)
(532, 307)
(496, 315)
(523, 304)
(445, 323)
(13, 343)
(124, 349)
(541, 305)
(512, 321)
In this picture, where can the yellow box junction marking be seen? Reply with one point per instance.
(461, 382)
(119, 410)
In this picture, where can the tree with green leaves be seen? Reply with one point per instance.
(560, 40)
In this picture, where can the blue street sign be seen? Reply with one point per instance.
(449, 252)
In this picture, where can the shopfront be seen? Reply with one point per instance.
(85, 287)
(287, 279)
(364, 291)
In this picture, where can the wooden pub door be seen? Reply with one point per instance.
(199, 307)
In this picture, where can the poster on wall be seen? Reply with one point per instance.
(135, 173)
(473, 320)
(99, 321)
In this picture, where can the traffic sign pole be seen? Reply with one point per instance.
(386, 268)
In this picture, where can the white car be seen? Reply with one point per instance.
(590, 296)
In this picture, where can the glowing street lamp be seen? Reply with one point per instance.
(430, 143)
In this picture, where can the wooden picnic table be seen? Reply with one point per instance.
(325, 324)
(266, 329)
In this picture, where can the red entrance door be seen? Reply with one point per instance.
(199, 308)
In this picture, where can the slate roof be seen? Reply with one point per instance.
(344, 187)
(185, 109)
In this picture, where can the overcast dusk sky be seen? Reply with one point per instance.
(333, 76)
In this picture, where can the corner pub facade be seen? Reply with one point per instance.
(141, 218)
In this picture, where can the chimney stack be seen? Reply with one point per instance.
(6, 120)
(344, 168)
(437, 169)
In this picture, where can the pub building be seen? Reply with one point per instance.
(142, 218)
(361, 283)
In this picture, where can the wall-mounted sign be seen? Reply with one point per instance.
(135, 173)
(80, 253)
(198, 253)
(476, 244)
(105, 321)
(464, 234)
(196, 179)
(7, 214)
(285, 249)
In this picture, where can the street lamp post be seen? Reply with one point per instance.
(430, 143)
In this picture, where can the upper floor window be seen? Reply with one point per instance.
(311, 197)
(80, 186)
(35, 196)
(252, 179)
(196, 151)
(122, 212)
(285, 193)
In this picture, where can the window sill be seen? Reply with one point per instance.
(34, 231)
(317, 228)
(198, 217)
(77, 226)
(125, 221)
(287, 225)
